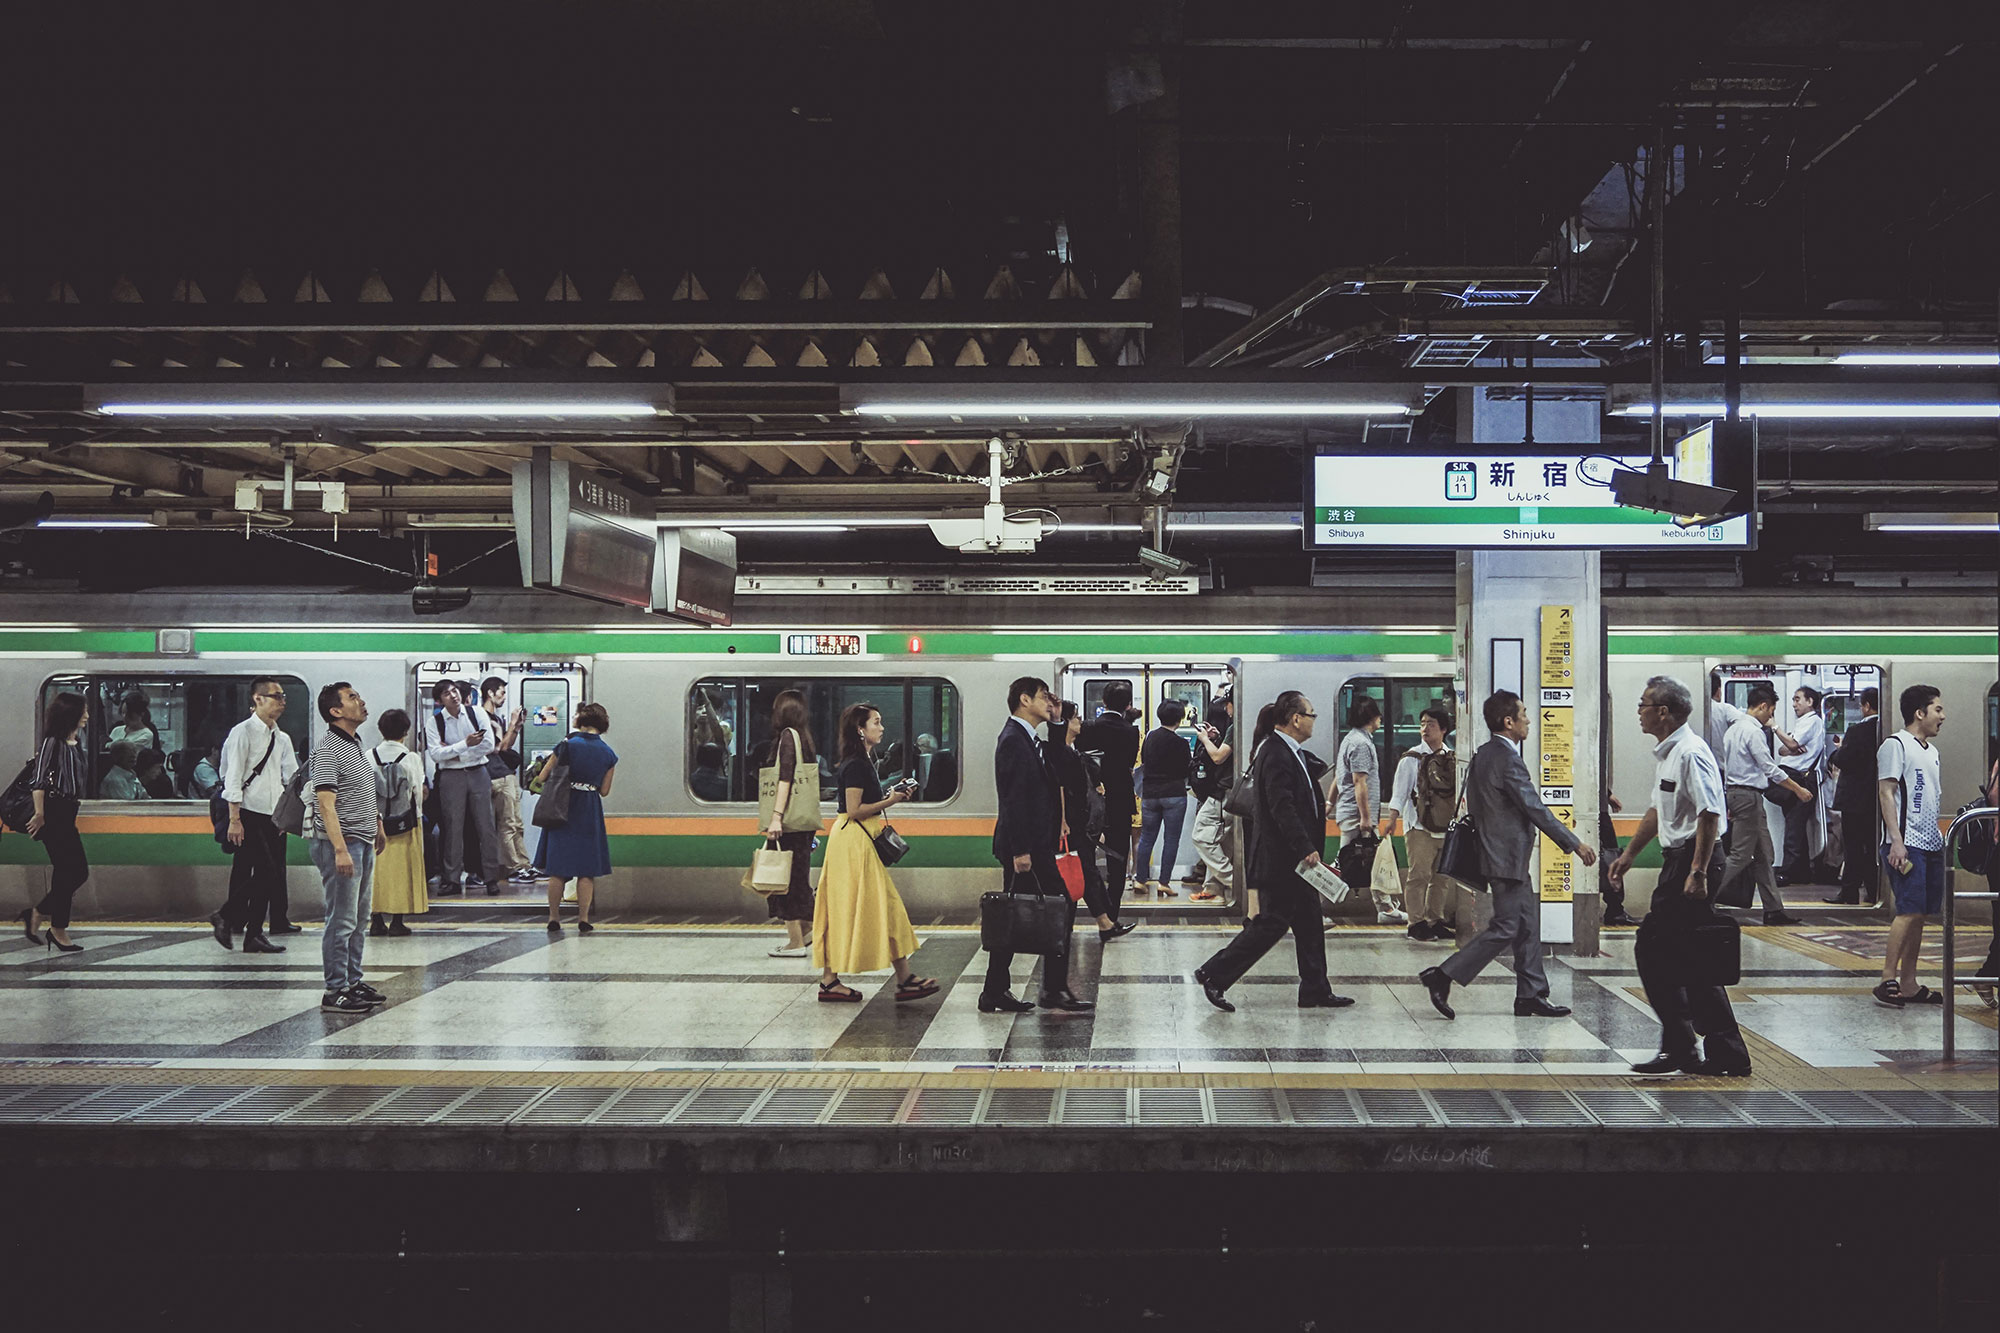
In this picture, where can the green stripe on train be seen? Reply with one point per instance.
(142, 849)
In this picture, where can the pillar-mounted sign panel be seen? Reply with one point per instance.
(581, 534)
(695, 576)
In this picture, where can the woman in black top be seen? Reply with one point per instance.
(1079, 779)
(1165, 759)
(58, 787)
(791, 750)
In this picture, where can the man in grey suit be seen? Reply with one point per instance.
(1506, 810)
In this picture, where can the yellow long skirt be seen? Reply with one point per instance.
(859, 923)
(399, 876)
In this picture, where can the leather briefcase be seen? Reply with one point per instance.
(1459, 857)
(1025, 922)
(1708, 954)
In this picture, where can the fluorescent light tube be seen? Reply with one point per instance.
(413, 408)
(1825, 411)
(1933, 522)
(1941, 357)
(1112, 408)
(97, 523)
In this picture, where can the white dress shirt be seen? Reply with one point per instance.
(1746, 755)
(1808, 732)
(1687, 784)
(464, 742)
(241, 752)
(1721, 717)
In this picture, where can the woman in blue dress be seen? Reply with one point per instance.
(580, 849)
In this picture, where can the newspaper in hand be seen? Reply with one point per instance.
(1327, 884)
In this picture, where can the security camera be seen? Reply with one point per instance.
(428, 599)
(1161, 563)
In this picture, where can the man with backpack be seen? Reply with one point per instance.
(257, 762)
(1426, 796)
(457, 744)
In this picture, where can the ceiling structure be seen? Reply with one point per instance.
(752, 212)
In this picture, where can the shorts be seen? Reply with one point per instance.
(1920, 890)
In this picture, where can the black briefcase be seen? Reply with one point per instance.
(1709, 955)
(1459, 857)
(1025, 922)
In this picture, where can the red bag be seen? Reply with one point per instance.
(1070, 866)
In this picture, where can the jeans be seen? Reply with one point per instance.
(347, 898)
(1157, 811)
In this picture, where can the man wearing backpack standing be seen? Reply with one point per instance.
(457, 745)
(503, 766)
(1426, 796)
(257, 762)
(1912, 803)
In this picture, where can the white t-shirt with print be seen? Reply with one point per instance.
(1905, 759)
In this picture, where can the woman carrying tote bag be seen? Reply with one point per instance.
(861, 924)
(788, 811)
(579, 848)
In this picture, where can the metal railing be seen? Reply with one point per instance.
(1952, 981)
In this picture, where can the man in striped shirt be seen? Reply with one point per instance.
(345, 831)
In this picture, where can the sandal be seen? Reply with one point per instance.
(1162, 890)
(1924, 995)
(1204, 896)
(916, 988)
(834, 992)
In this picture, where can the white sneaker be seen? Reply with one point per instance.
(1392, 917)
(787, 951)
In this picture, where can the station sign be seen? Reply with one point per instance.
(695, 578)
(579, 533)
(1496, 496)
(825, 645)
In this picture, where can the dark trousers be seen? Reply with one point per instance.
(1612, 895)
(1684, 1010)
(1860, 874)
(257, 876)
(1286, 904)
(1117, 839)
(465, 801)
(1041, 877)
(1797, 861)
(70, 866)
(1097, 899)
(795, 903)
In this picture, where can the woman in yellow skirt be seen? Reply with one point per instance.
(399, 868)
(859, 923)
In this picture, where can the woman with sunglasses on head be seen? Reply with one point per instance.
(58, 787)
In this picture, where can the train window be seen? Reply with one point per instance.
(1192, 693)
(546, 694)
(1993, 726)
(155, 737)
(1093, 693)
(1402, 701)
(729, 731)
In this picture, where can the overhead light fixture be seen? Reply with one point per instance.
(1947, 523)
(1849, 354)
(1136, 401)
(376, 400)
(822, 523)
(418, 408)
(97, 523)
(1943, 356)
(1062, 407)
(1823, 411)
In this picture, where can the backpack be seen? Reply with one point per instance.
(394, 795)
(1437, 795)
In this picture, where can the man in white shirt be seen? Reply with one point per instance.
(1747, 769)
(1805, 752)
(1358, 777)
(503, 766)
(1687, 815)
(257, 763)
(1425, 796)
(457, 744)
(1908, 791)
(1721, 716)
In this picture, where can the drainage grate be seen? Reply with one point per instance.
(340, 1105)
(1622, 1106)
(1471, 1106)
(111, 1104)
(793, 1106)
(1848, 1109)
(1978, 1105)
(265, 1105)
(412, 1106)
(1244, 1106)
(566, 1106)
(1698, 1110)
(1396, 1106)
(944, 1106)
(491, 1106)
(1170, 1106)
(1019, 1106)
(717, 1106)
(1918, 1107)
(1321, 1106)
(1771, 1109)
(42, 1100)
(188, 1105)
(1546, 1107)
(869, 1106)
(1094, 1106)
(642, 1106)
(19, 1090)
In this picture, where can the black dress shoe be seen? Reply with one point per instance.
(449, 891)
(1212, 991)
(1064, 1002)
(1003, 1004)
(1117, 928)
(1713, 1070)
(1668, 1064)
(1842, 901)
(1538, 1007)
(1327, 1001)
(284, 928)
(1781, 919)
(221, 928)
(1621, 918)
(1439, 985)
(254, 942)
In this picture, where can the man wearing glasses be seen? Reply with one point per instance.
(257, 762)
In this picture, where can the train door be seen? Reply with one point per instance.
(546, 696)
(1839, 686)
(1195, 686)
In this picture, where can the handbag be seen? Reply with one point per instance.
(1356, 859)
(1383, 877)
(1708, 954)
(770, 871)
(1070, 866)
(218, 809)
(17, 803)
(1036, 923)
(1242, 798)
(1459, 857)
(889, 845)
(552, 809)
(289, 814)
(802, 812)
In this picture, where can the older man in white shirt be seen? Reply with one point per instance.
(257, 762)
(1805, 755)
(1747, 769)
(457, 744)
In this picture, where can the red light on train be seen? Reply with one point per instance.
(916, 643)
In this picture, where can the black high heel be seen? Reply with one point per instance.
(28, 925)
(66, 948)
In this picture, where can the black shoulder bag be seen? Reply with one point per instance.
(1459, 857)
(552, 807)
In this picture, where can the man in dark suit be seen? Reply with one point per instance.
(1854, 800)
(1288, 828)
(1506, 810)
(1024, 842)
(1112, 736)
